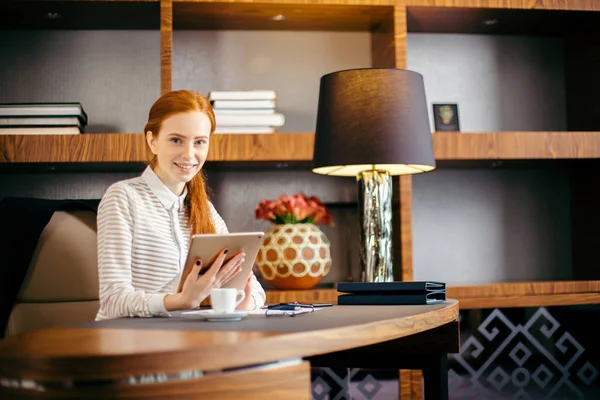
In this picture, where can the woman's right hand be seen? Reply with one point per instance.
(197, 287)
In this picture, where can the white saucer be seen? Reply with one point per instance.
(210, 315)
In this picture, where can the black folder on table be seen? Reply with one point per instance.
(391, 293)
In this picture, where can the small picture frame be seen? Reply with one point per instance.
(445, 117)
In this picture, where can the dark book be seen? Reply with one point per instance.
(391, 299)
(391, 287)
(391, 293)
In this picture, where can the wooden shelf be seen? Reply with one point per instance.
(457, 16)
(287, 147)
(516, 18)
(531, 288)
(516, 145)
(495, 295)
(92, 147)
(308, 15)
(132, 148)
(572, 5)
(80, 14)
(295, 147)
(526, 294)
(299, 16)
(546, 300)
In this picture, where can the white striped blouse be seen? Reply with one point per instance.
(143, 242)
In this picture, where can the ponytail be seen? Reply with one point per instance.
(197, 206)
(199, 215)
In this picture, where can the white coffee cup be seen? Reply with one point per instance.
(225, 300)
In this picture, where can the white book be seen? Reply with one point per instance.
(39, 121)
(43, 109)
(59, 130)
(243, 104)
(242, 95)
(244, 129)
(250, 120)
(239, 111)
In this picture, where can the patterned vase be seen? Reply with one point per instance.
(294, 256)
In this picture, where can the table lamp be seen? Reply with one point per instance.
(372, 124)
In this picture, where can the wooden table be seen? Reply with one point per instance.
(258, 357)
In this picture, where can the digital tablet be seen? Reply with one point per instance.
(207, 248)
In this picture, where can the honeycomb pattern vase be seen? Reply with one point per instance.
(294, 256)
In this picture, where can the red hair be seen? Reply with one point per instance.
(196, 200)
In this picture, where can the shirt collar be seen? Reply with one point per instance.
(168, 199)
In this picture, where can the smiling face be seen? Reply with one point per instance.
(181, 148)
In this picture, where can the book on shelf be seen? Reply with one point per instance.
(242, 95)
(6, 122)
(42, 119)
(44, 110)
(274, 120)
(244, 111)
(41, 130)
(247, 104)
(390, 299)
(244, 129)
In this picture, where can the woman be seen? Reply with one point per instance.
(145, 223)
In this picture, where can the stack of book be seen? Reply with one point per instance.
(245, 111)
(391, 293)
(42, 119)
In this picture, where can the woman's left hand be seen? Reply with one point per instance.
(248, 303)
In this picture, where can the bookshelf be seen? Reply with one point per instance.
(388, 22)
(298, 147)
(516, 146)
(80, 14)
(490, 295)
(132, 148)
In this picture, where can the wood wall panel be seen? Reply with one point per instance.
(404, 182)
(405, 224)
(401, 36)
(298, 15)
(384, 48)
(416, 383)
(411, 384)
(581, 5)
(404, 387)
(166, 46)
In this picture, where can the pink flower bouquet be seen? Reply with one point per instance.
(296, 209)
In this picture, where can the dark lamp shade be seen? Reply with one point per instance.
(372, 119)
